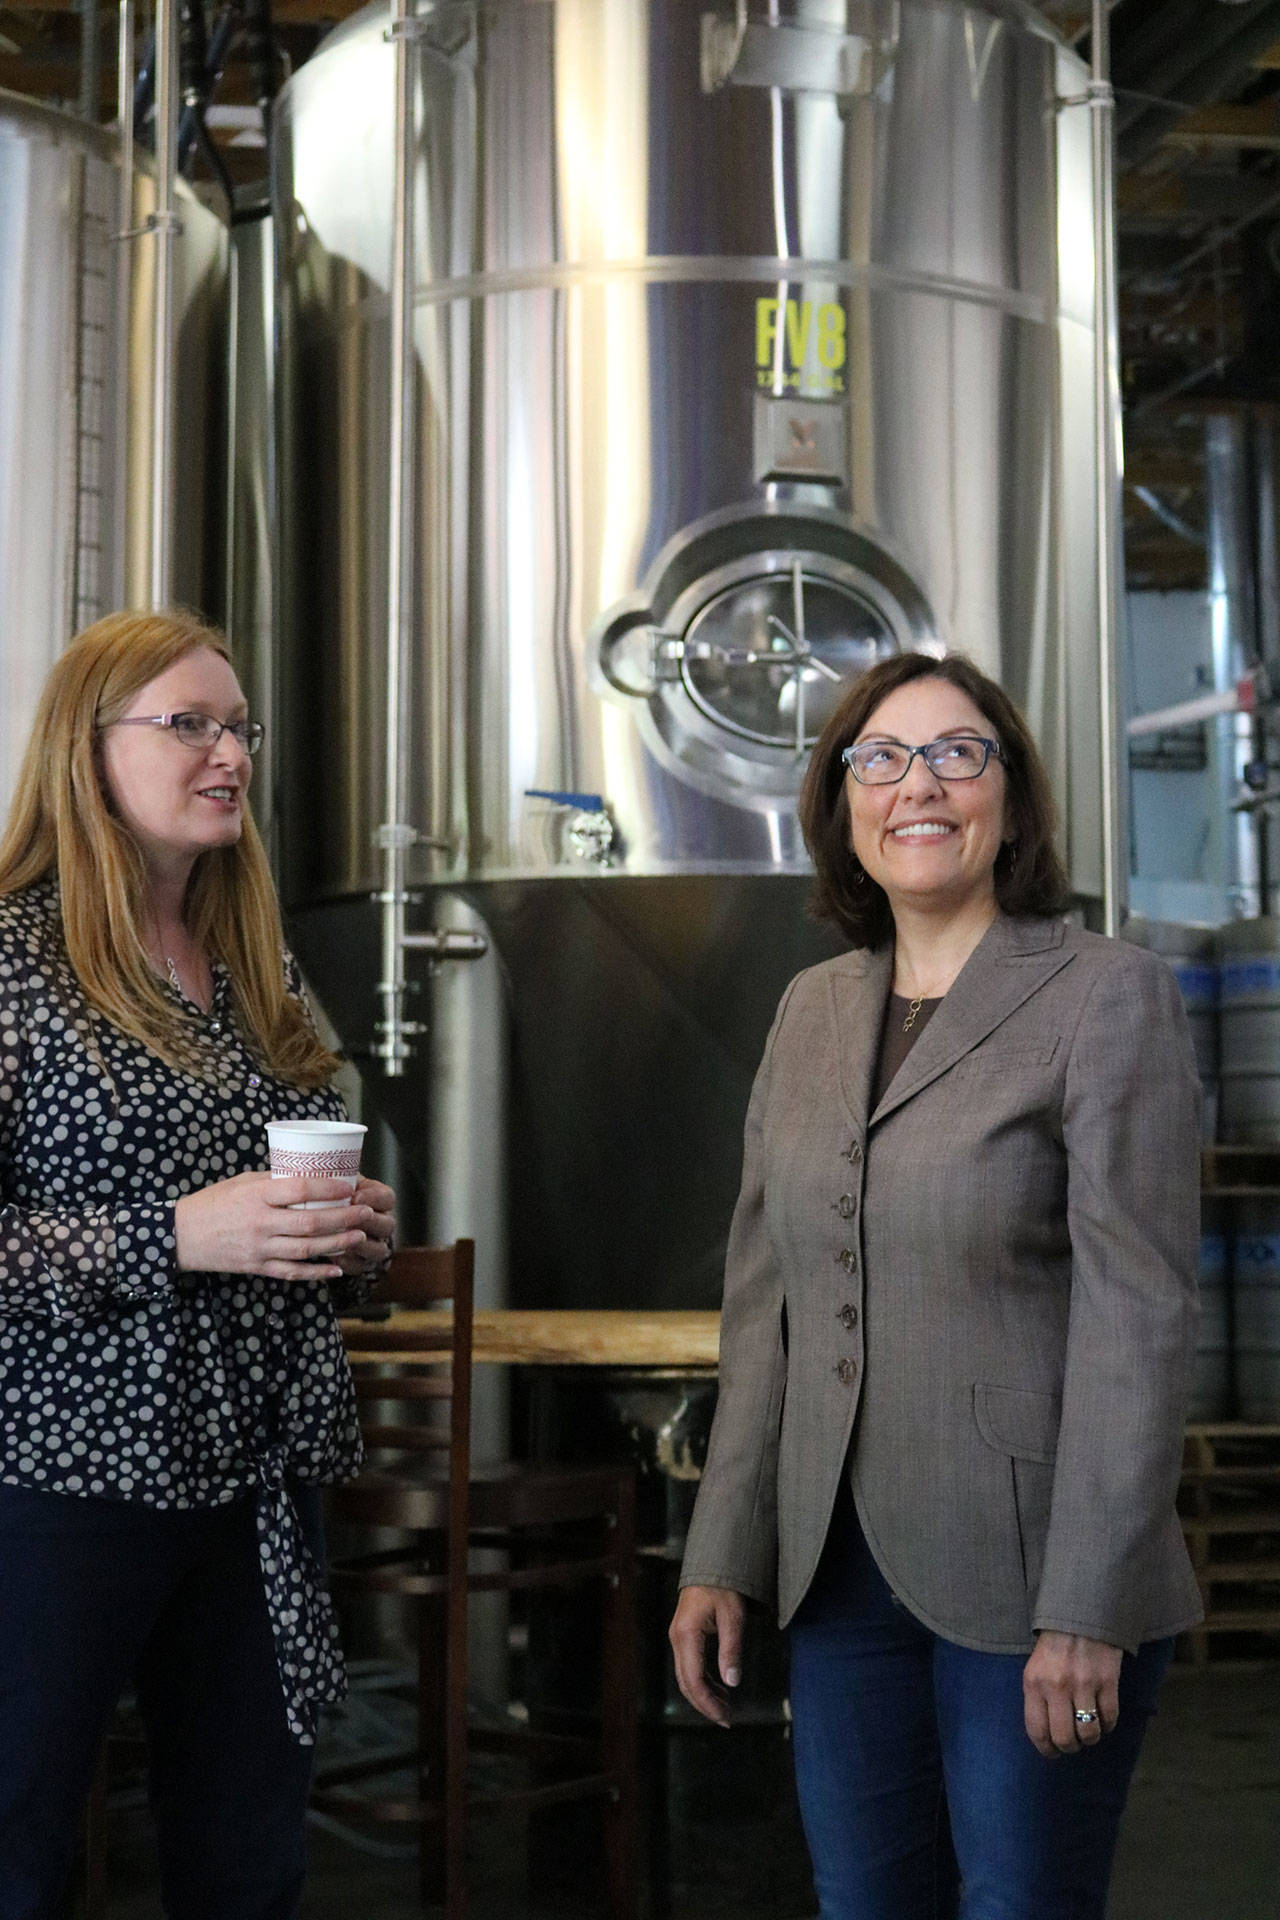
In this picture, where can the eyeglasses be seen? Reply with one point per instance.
(882, 763)
(199, 730)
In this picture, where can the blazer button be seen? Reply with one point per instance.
(846, 1206)
(848, 1316)
(855, 1153)
(848, 1259)
(848, 1372)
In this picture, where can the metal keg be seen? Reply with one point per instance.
(1249, 998)
(1256, 1267)
(1192, 953)
(1211, 1389)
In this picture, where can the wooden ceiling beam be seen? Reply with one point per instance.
(1191, 197)
(1255, 127)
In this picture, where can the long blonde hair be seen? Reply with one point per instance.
(61, 822)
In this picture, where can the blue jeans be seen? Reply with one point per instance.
(94, 1594)
(921, 1795)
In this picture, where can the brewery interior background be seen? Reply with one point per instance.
(723, 320)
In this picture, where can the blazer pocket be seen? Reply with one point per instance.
(1018, 1420)
(1022, 1425)
(1002, 1058)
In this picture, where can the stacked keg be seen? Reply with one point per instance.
(1250, 1116)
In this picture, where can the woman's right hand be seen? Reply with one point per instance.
(245, 1225)
(702, 1612)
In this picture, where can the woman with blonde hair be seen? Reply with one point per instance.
(173, 1391)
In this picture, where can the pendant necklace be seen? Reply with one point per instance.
(174, 981)
(912, 1011)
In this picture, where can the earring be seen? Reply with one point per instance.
(1013, 854)
(859, 877)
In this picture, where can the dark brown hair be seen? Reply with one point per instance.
(1029, 876)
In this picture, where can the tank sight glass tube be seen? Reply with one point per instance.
(395, 837)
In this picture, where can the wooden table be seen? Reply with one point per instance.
(629, 1337)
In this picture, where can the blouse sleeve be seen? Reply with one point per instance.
(66, 1264)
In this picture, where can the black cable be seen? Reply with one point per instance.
(260, 41)
(192, 62)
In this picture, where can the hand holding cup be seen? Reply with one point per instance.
(283, 1229)
(330, 1149)
(310, 1218)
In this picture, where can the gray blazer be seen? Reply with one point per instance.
(979, 1300)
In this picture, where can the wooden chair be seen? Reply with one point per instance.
(556, 1527)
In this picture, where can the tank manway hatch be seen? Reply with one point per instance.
(748, 629)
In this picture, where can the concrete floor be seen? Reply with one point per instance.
(1201, 1840)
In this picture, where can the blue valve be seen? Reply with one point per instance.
(584, 802)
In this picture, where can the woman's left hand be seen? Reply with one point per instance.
(1065, 1675)
(379, 1232)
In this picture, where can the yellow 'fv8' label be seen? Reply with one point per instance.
(800, 342)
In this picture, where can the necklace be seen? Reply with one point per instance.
(912, 1011)
(175, 982)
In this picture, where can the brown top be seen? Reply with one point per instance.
(897, 1039)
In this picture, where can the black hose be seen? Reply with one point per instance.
(192, 62)
(260, 43)
(215, 59)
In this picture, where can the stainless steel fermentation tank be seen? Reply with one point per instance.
(750, 343)
(76, 392)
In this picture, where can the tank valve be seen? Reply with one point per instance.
(591, 834)
(591, 837)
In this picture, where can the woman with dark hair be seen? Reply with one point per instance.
(958, 1325)
(173, 1388)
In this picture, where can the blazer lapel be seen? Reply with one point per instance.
(859, 985)
(1012, 960)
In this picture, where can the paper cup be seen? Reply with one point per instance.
(315, 1150)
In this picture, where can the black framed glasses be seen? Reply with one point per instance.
(958, 756)
(200, 730)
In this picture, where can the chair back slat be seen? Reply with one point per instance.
(419, 1276)
(397, 1383)
(410, 1437)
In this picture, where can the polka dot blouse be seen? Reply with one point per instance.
(120, 1377)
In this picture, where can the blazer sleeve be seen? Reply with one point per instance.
(733, 1536)
(1131, 1130)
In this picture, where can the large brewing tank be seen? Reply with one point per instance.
(75, 396)
(752, 342)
